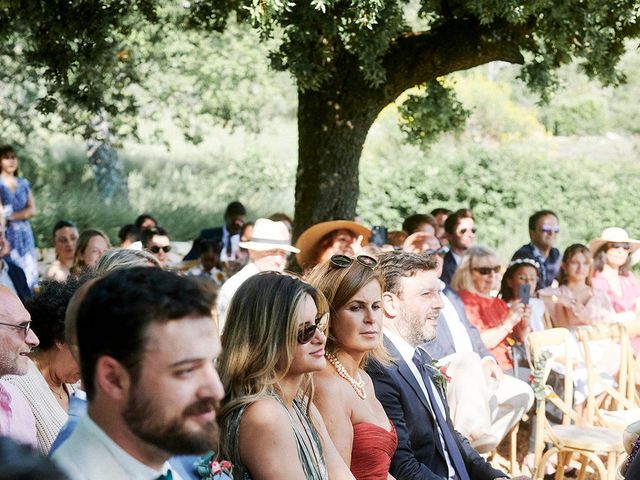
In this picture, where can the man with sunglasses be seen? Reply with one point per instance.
(460, 231)
(543, 232)
(16, 342)
(155, 240)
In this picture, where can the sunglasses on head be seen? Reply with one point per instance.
(465, 230)
(440, 251)
(156, 249)
(624, 245)
(308, 330)
(487, 270)
(344, 261)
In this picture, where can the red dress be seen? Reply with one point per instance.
(373, 448)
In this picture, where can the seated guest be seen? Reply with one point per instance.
(155, 240)
(120, 258)
(441, 214)
(355, 419)
(273, 341)
(497, 322)
(52, 370)
(420, 223)
(11, 275)
(321, 241)
(128, 234)
(16, 340)
(208, 267)
(144, 221)
(408, 388)
(460, 231)
(612, 271)
(92, 243)
(242, 255)
(148, 350)
(524, 271)
(65, 237)
(21, 462)
(484, 403)
(543, 232)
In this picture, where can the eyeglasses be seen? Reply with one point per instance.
(440, 251)
(547, 229)
(524, 278)
(26, 326)
(624, 245)
(487, 270)
(156, 249)
(465, 230)
(344, 261)
(308, 330)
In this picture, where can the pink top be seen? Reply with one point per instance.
(597, 309)
(16, 418)
(630, 291)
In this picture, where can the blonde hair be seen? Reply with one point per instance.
(260, 338)
(462, 278)
(121, 258)
(339, 285)
(83, 241)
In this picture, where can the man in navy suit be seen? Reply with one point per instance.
(11, 275)
(408, 388)
(227, 235)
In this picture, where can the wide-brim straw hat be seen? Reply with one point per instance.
(308, 241)
(614, 235)
(269, 235)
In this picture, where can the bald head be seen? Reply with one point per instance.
(16, 338)
(71, 317)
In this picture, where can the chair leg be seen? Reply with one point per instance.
(611, 466)
(539, 467)
(584, 461)
(513, 451)
(562, 461)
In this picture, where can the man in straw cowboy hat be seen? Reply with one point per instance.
(268, 248)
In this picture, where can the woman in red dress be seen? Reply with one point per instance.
(355, 419)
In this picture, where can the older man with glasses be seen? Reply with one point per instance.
(16, 342)
(543, 232)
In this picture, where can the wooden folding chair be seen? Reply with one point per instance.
(573, 436)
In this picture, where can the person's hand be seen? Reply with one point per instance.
(515, 314)
(415, 243)
(356, 245)
(526, 315)
(492, 370)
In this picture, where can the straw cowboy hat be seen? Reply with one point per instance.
(614, 235)
(269, 235)
(308, 241)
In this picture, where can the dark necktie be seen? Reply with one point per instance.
(450, 442)
(166, 476)
(229, 246)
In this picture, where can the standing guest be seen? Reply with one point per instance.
(52, 370)
(441, 214)
(428, 446)
(228, 234)
(128, 234)
(155, 240)
(11, 275)
(144, 221)
(208, 267)
(148, 350)
(18, 207)
(497, 322)
(16, 342)
(612, 271)
(65, 237)
(543, 232)
(460, 231)
(355, 419)
(92, 243)
(268, 248)
(321, 241)
(273, 342)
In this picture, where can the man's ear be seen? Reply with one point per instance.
(112, 378)
(390, 304)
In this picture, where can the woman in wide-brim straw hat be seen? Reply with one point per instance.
(612, 270)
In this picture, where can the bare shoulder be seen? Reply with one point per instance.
(265, 413)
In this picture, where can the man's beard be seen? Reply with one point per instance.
(171, 436)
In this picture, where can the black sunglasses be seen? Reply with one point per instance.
(465, 230)
(624, 245)
(487, 270)
(440, 251)
(156, 249)
(308, 330)
(344, 261)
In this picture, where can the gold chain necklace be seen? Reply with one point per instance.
(358, 385)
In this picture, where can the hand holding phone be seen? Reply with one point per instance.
(524, 293)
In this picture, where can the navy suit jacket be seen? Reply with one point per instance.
(420, 454)
(213, 234)
(443, 344)
(449, 267)
(17, 276)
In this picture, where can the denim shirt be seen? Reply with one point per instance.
(549, 267)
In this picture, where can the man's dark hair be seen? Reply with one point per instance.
(148, 233)
(397, 264)
(533, 219)
(21, 462)
(143, 217)
(129, 232)
(440, 211)
(47, 310)
(118, 310)
(411, 223)
(234, 208)
(62, 224)
(208, 245)
(452, 220)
